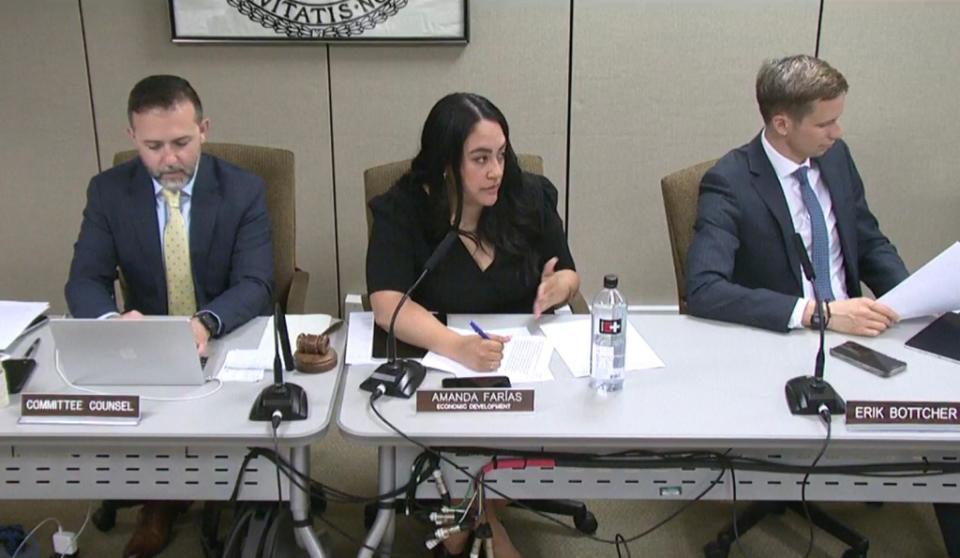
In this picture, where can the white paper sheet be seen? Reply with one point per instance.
(572, 339)
(240, 375)
(526, 358)
(360, 339)
(15, 316)
(933, 289)
(249, 359)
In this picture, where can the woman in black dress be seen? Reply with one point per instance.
(512, 255)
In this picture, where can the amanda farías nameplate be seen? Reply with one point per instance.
(474, 400)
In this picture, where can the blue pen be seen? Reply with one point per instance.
(480, 332)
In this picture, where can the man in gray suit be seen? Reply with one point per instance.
(796, 176)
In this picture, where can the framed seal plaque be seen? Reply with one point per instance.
(323, 21)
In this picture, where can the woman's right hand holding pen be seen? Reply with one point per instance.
(482, 355)
(482, 352)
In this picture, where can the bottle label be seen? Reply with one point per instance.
(610, 327)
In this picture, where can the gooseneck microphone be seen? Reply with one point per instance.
(402, 377)
(289, 400)
(806, 394)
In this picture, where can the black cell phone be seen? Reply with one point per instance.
(477, 382)
(17, 371)
(870, 360)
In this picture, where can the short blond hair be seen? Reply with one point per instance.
(791, 85)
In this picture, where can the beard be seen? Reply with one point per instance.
(173, 178)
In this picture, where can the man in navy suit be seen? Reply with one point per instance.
(742, 265)
(189, 233)
(223, 209)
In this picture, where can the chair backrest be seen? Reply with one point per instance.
(276, 168)
(680, 192)
(379, 179)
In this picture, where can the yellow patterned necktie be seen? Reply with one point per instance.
(181, 299)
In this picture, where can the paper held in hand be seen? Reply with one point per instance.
(931, 290)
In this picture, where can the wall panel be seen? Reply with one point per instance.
(900, 58)
(517, 57)
(267, 95)
(47, 147)
(659, 86)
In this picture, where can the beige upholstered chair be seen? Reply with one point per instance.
(379, 179)
(680, 192)
(276, 168)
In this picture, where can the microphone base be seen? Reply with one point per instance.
(400, 378)
(805, 395)
(289, 399)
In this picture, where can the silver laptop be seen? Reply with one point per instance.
(155, 351)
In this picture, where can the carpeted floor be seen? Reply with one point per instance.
(894, 530)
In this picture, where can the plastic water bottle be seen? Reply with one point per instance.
(608, 348)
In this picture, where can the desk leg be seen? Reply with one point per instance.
(300, 506)
(382, 529)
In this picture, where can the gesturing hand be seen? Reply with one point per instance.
(552, 290)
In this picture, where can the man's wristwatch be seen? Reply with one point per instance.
(815, 317)
(209, 322)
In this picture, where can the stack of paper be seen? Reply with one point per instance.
(15, 317)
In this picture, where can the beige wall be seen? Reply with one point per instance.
(900, 117)
(659, 86)
(47, 148)
(656, 86)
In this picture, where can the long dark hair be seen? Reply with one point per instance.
(513, 224)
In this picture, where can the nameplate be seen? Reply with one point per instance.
(52, 408)
(474, 400)
(917, 415)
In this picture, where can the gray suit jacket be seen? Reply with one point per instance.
(742, 265)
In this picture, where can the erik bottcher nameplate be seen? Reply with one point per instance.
(474, 400)
(52, 408)
(910, 415)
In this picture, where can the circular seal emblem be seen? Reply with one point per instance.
(318, 19)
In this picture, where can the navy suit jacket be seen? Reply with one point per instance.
(230, 248)
(742, 265)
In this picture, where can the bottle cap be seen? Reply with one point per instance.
(610, 281)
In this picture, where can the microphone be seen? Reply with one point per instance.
(289, 400)
(402, 377)
(807, 394)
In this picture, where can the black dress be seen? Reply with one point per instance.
(401, 242)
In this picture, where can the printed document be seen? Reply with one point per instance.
(571, 336)
(526, 358)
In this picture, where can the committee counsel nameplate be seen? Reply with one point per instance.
(55, 408)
